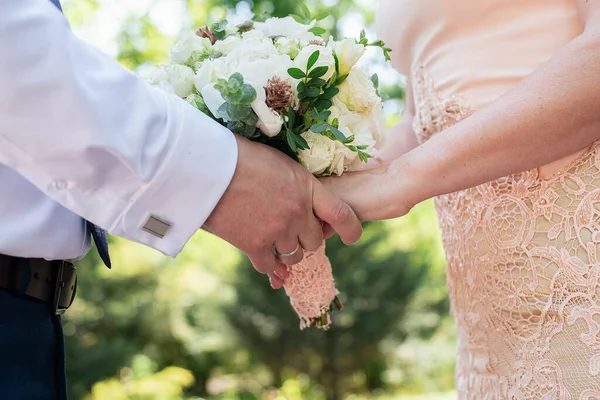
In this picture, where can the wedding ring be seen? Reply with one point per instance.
(279, 255)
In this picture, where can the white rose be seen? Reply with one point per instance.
(358, 92)
(254, 33)
(181, 78)
(191, 46)
(212, 99)
(269, 122)
(290, 47)
(325, 59)
(348, 53)
(318, 158)
(378, 125)
(337, 110)
(325, 155)
(287, 27)
(228, 45)
(252, 49)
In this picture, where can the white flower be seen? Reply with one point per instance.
(358, 92)
(348, 53)
(254, 33)
(325, 59)
(228, 45)
(252, 49)
(213, 99)
(325, 155)
(318, 158)
(191, 46)
(159, 77)
(269, 122)
(210, 71)
(287, 27)
(290, 47)
(181, 78)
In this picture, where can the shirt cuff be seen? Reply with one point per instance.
(168, 211)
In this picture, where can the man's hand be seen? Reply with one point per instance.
(273, 206)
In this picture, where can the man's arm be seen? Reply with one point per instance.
(111, 148)
(100, 141)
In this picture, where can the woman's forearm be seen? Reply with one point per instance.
(552, 113)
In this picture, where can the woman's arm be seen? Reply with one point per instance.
(552, 113)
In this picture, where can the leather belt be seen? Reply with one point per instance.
(54, 282)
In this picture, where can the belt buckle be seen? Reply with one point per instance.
(59, 286)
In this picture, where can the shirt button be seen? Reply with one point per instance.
(61, 184)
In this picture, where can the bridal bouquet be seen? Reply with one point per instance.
(279, 81)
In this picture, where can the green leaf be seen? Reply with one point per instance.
(222, 112)
(290, 140)
(298, 18)
(236, 78)
(340, 80)
(317, 30)
(292, 117)
(375, 80)
(301, 86)
(248, 94)
(262, 17)
(335, 123)
(323, 104)
(363, 34)
(319, 128)
(312, 93)
(318, 72)
(339, 135)
(312, 60)
(305, 11)
(321, 16)
(238, 112)
(337, 63)
(296, 73)
(234, 97)
(321, 116)
(330, 93)
(302, 143)
(317, 82)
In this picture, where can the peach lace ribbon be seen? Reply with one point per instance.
(311, 287)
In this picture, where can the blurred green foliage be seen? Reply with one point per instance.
(206, 326)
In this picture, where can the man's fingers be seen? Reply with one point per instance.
(311, 238)
(265, 263)
(336, 213)
(289, 251)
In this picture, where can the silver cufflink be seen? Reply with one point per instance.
(157, 226)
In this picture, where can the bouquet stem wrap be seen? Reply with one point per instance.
(311, 289)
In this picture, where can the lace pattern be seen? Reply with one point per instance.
(523, 273)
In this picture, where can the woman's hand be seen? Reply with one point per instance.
(375, 194)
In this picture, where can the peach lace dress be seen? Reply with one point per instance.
(523, 252)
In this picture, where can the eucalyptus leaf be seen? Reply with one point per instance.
(292, 117)
(248, 94)
(238, 112)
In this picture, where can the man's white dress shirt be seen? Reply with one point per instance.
(82, 137)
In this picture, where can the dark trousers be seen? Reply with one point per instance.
(31, 350)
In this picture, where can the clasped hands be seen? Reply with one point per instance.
(274, 210)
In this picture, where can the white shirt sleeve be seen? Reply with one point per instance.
(94, 137)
